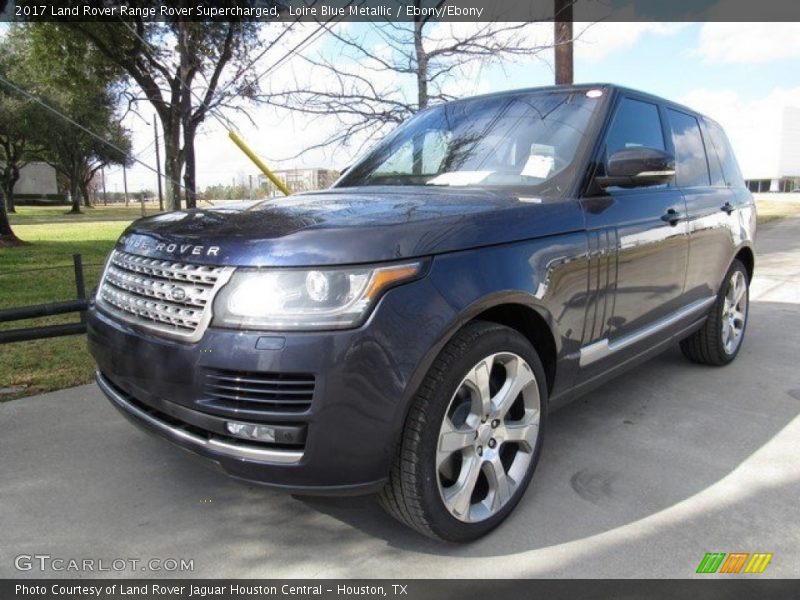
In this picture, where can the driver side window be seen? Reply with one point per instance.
(636, 124)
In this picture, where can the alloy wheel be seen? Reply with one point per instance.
(487, 439)
(734, 312)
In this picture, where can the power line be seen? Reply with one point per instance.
(146, 148)
(322, 27)
(223, 120)
(58, 113)
(146, 155)
(307, 40)
(261, 54)
(213, 112)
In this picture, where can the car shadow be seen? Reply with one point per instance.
(647, 457)
(654, 437)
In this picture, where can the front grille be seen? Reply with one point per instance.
(167, 297)
(258, 393)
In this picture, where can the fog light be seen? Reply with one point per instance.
(248, 431)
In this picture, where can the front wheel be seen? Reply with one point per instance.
(473, 436)
(719, 340)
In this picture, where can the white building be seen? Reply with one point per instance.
(301, 180)
(37, 182)
(773, 164)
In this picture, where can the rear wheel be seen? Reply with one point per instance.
(719, 340)
(472, 437)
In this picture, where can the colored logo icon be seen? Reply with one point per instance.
(734, 562)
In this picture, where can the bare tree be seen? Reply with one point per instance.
(364, 87)
(165, 77)
(188, 71)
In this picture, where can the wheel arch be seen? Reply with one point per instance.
(746, 255)
(531, 324)
(513, 309)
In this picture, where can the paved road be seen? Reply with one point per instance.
(639, 479)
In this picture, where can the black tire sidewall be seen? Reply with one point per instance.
(494, 339)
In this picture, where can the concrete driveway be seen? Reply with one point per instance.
(639, 479)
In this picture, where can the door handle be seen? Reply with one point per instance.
(672, 216)
(727, 207)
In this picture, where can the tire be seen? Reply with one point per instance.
(712, 344)
(448, 443)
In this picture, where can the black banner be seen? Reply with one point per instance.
(397, 10)
(408, 589)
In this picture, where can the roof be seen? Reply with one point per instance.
(579, 87)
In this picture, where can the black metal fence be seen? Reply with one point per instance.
(45, 310)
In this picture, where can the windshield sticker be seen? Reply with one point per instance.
(538, 166)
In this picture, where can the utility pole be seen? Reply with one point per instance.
(251, 186)
(563, 41)
(158, 168)
(105, 196)
(125, 182)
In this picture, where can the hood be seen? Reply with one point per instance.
(349, 226)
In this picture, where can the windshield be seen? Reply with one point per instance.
(524, 140)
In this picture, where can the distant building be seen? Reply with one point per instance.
(37, 185)
(774, 165)
(300, 180)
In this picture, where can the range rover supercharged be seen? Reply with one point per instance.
(407, 331)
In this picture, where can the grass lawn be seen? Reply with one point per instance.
(777, 206)
(42, 272)
(60, 214)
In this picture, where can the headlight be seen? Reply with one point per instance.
(305, 299)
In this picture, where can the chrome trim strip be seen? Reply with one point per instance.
(668, 173)
(602, 348)
(212, 444)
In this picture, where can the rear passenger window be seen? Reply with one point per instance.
(730, 168)
(635, 124)
(714, 164)
(690, 159)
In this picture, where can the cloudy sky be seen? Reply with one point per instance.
(741, 74)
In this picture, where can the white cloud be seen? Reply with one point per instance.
(748, 43)
(753, 126)
(595, 41)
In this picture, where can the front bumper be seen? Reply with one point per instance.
(208, 445)
(364, 380)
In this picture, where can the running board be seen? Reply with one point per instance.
(603, 348)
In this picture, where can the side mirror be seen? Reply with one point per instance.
(638, 167)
